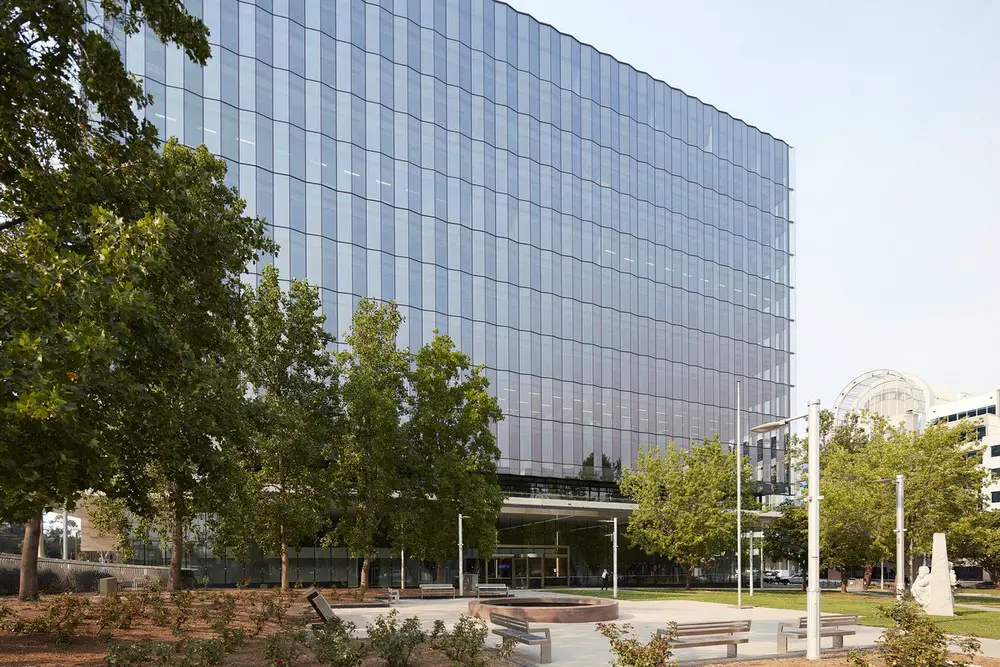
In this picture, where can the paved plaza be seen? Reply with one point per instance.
(579, 644)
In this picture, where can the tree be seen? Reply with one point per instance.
(787, 537)
(64, 313)
(67, 119)
(368, 466)
(686, 502)
(182, 402)
(292, 375)
(68, 139)
(856, 512)
(452, 457)
(976, 537)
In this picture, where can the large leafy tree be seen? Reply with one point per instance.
(68, 129)
(369, 468)
(451, 457)
(976, 537)
(786, 537)
(185, 402)
(286, 471)
(69, 142)
(63, 316)
(685, 503)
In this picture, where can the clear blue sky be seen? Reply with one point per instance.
(894, 112)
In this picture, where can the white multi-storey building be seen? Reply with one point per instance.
(907, 399)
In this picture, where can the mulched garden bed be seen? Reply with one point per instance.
(87, 650)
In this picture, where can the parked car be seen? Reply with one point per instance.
(794, 580)
(775, 577)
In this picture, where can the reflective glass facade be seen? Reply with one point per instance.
(615, 252)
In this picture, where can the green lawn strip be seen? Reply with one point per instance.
(969, 622)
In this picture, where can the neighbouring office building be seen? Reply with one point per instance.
(906, 399)
(617, 253)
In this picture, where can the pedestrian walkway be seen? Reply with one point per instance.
(580, 645)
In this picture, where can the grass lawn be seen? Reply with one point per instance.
(970, 622)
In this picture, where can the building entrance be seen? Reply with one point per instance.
(529, 566)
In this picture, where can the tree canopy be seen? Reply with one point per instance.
(685, 503)
(451, 456)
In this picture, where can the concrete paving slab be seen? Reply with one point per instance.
(580, 645)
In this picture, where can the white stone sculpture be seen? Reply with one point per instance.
(920, 590)
(941, 599)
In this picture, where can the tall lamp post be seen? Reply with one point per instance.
(813, 590)
(900, 535)
(739, 503)
(461, 584)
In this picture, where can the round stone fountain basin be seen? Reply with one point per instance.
(547, 610)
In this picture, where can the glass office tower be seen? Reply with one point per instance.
(616, 252)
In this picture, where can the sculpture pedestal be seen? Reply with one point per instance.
(940, 599)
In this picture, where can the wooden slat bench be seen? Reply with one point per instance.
(519, 631)
(492, 589)
(715, 633)
(437, 589)
(829, 626)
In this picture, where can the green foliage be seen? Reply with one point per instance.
(337, 646)
(63, 617)
(787, 536)
(67, 125)
(117, 611)
(451, 457)
(464, 644)
(395, 641)
(285, 647)
(976, 537)
(628, 651)
(685, 502)
(185, 653)
(943, 484)
(369, 468)
(286, 474)
(914, 640)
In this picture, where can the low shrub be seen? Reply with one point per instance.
(85, 581)
(914, 640)
(393, 640)
(336, 645)
(183, 607)
(628, 651)
(464, 644)
(50, 582)
(285, 647)
(185, 653)
(10, 580)
(65, 616)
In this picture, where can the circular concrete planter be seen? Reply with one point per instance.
(548, 610)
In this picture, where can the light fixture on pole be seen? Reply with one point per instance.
(900, 534)
(461, 587)
(812, 590)
(614, 556)
(739, 503)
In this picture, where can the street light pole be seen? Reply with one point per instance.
(900, 539)
(614, 559)
(461, 588)
(813, 590)
(739, 504)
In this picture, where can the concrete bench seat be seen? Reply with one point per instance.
(521, 632)
(714, 633)
(500, 590)
(440, 590)
(829, 626)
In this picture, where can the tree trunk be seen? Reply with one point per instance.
(176, 553)
(868, 576)
(29, 559)
(688, 572)
(284, 566)
(843, 580)
(439, 571)
(365, 565)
